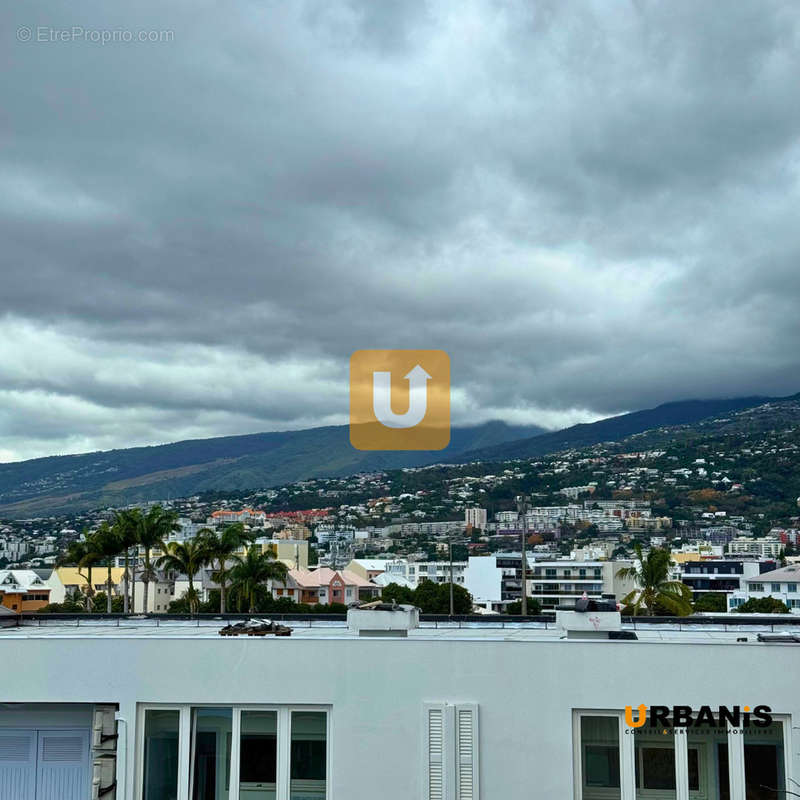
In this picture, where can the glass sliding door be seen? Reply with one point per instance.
(309, 755)
(258, 755)
(764, 767)
(707, 757)
(211, 753)
(600, 758)
(160, 768)
(235, 752)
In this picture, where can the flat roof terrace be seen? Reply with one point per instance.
(717, 630)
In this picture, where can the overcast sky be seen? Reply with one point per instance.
(592, 207)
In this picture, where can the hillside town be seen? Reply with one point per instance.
(711, 496)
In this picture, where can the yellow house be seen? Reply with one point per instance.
(74, 579)
(292, 553)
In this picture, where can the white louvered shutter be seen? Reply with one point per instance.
(436, 784)
(63, 772)
(467, 783)
(18, 764)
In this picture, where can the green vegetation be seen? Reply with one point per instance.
(655, 593)
(430, 597)
(221, 548)
(249, 578)
(714, 602)
(763, 605)
(185, 558)
(534, 607)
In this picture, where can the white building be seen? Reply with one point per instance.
(476, 517)
(416, 571)
(451, 713)
(780, 584)
(494, 581)
(768, 547)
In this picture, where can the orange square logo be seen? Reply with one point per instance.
(399, 399)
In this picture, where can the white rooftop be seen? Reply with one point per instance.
(149, 628)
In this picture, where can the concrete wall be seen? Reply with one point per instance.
(376, 688)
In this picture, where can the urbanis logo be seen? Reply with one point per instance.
(399, 399)
(686, 717)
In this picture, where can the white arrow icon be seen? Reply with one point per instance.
(417, 398)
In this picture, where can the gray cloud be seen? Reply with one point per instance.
(591, 209)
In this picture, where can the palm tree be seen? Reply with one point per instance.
(155, 527)
(84, 555)
(127, 524)
(222, 549)
(654, 588)
(250, 576)
(109, 544)
(185, 557)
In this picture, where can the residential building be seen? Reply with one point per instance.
(768, 547)
(247, 515)
(574, 492)
(368, 568)
(75, 581)
(781, 584)
(325, 586)
(292, 552)
(721, 575)
(560, 583)
(23, 590)
(495, 581)
(161, 591)
(436, 571)
(475, 517)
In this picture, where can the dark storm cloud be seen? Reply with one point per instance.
(592, 208)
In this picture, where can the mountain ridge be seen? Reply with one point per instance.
(57, 484)
(126, 475)
(677, 412)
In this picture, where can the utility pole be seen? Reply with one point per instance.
(522, 511)
(450, 545)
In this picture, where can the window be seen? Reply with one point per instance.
(550, 573)
(655, 764)
(211, 753)
(756, 587)
(764, 773)
(600, 757)
(776, 587)
(791, 588)
(258, 753)
(227, 752)
(659, 763)
(160, 777)
(308, 755)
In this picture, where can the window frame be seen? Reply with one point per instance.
(627, 752)
(185, 737)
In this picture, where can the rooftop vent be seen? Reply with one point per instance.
(382, 619)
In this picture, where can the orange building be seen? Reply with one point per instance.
(23, 590)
